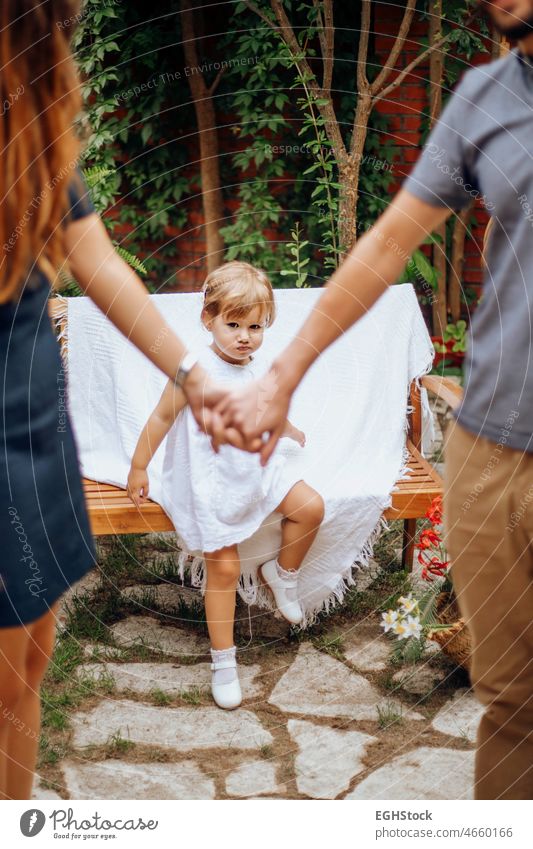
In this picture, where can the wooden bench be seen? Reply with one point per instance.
(111, 511)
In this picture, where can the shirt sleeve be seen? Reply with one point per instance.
(80, 203)
(444, 174)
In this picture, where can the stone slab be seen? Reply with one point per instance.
(168, 639)
(255, 778)
(460, 716)
(114, 779)
(101, 651)
(318, 685)
(423, 773)
(181, 729)
(366, 653)
(170, 678)
(419, 680)
(167, 597)
(327, 759)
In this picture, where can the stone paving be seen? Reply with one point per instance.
(309, 727)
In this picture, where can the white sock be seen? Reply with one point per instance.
(285, 574)
(288, 575)
(224, 676)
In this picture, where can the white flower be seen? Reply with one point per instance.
(389, 618)
(413, 626)
(400, 629)
(408, 603)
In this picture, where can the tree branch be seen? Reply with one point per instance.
(399, 42)
(326, 37)
(257, 11)
(416, 61)
(362, 53)
(323, 99)
(214, 85)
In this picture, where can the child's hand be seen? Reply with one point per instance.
(293, 433)
(138, 486)
(298, 436)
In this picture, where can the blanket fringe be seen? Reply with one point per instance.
(336, 596)
(60, 325)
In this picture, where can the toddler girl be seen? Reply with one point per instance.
(220, 499)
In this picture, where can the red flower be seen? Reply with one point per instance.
(428, 539)
(434, 513)
(435, 566)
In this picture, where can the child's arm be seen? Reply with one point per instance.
(293, 433)
(172, 401)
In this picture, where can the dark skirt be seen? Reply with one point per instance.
(45, 537)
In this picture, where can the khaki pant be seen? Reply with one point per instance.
(488, 510)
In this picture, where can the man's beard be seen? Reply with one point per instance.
(517, 30)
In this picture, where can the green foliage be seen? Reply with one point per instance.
(278, 114)
(455, 332)
(133, 152)
(298, 265)
(283, 174)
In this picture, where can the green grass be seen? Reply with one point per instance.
(331, 644)
(118, 745)
(193, 696)
(159, 697)
(389, 714)
(49, 753)
(266, 751)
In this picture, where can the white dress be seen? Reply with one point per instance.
(216, 500)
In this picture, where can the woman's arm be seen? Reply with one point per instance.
(119, 293)
(376, 261)
(171, 403)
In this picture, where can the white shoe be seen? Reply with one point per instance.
(284, 592)
(226, 696)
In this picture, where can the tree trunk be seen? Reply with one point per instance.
(435, 93)
(457, 263)
(347, 203)
(212, 202)
(349, 168)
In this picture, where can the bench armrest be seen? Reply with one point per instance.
(444, 388)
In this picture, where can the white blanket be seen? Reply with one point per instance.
(352, 405)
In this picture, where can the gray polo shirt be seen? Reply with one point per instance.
(482, 146)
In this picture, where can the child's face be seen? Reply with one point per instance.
(236, 339)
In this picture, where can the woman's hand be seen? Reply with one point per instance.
(138, 486)
(258, 412)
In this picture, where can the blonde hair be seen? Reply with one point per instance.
(235, 288)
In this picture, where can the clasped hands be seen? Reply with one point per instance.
(251, 418)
